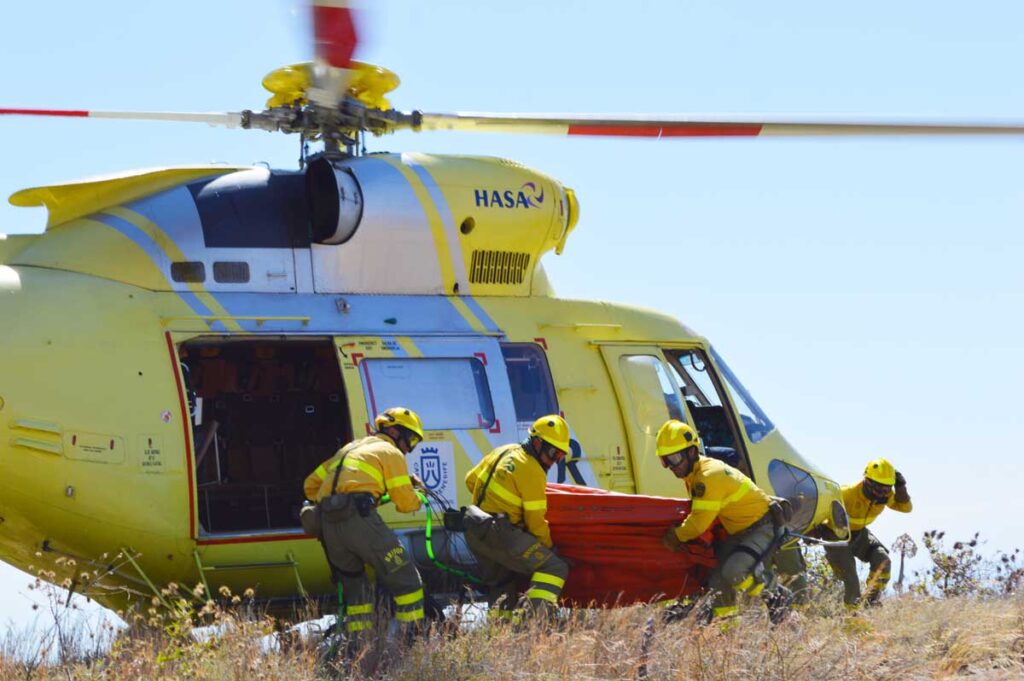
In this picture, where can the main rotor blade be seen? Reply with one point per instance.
(638, 125)
(334, 33)
(334, 41)
(228, 120)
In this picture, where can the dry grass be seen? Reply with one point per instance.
(912, 637)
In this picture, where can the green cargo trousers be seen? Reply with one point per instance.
(791, 568)
(353, 541)
(865, 547)
(737, 560)
(503, 551)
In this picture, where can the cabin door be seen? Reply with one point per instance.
(647, 398)
(457, 385)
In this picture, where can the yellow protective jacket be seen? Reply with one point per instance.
(373, 464)
(717, 490)
(863, 511)
(518, 489)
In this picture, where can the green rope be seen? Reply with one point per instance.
(430, 543)
(430, 547)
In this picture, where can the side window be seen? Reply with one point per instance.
(449, 393)
(798, 486)
(690, 369)
(532, 388)
(651, 391)
(755, 422)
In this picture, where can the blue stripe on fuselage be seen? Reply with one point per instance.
(481, 314)
(155, 253)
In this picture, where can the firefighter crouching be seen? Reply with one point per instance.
(718, 490)
(864, 501)
(347, 488)
(507, 528)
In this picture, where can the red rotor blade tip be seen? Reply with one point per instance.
(334, 32)
(71, 113)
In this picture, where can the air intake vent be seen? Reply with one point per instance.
(231, 272)
(188, 272)
(498, 267)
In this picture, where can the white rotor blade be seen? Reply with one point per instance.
(228, 120)
(639, 125)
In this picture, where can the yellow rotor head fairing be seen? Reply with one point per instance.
(368, 84)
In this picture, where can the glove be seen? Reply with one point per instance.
(670, 541)
(901, 495)
(417, 483)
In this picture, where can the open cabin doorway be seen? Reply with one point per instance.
(265, 413)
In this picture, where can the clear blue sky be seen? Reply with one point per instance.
(868, 292)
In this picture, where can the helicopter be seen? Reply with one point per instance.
(258, 322)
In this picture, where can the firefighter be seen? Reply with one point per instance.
(882, 486)
(511, 537)
(717, 490)
(348, 487)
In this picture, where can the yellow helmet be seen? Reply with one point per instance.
(399, 416)
(881, 471)
(675, 436)
(552, 429)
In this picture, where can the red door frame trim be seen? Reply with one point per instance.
(189, 473)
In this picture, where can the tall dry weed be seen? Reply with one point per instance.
(975, 627)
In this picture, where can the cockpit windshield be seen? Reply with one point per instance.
(755, 422)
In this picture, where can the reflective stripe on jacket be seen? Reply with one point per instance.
(373, 464)
(518, 489)
(718, 490)
(863, 511)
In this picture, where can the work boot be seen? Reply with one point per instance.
(677, 611)
(778, 601)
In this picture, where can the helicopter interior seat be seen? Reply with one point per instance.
(712, 424)
(313, 433)
(281, 410)
(725, 454)
(214, 376)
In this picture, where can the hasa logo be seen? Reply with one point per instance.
(527, 196)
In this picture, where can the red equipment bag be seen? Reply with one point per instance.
(613, 544)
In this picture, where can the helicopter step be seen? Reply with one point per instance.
(290, 563)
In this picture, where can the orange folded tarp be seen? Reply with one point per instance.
(613, 543)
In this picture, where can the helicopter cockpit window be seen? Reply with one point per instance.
(530, 378)
(798, 486)
(755, 422)
(448, 393)
(703, 396)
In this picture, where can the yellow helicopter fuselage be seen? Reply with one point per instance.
(182, 346)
